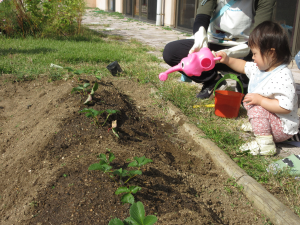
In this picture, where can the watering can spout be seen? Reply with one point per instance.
(164, 76)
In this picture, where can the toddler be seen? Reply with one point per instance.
(272, 101)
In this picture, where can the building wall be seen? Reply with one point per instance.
(119, 6)
(102, 4)
(170, 9)
(91, 3)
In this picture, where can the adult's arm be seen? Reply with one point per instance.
(264, 11)
(204, 13)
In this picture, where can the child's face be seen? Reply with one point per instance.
(263, 63)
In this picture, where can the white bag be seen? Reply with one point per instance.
(235, 22)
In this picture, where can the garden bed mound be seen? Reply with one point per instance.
(47, 148)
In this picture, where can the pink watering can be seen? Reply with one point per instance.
(193, 64)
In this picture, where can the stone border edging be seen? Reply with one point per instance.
(255, 192)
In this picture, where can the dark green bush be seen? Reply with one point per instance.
(41, 17)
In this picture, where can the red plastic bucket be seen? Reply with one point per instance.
(227, 103)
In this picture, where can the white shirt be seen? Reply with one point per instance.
(281, 86)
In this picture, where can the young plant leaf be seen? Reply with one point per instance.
(95, 87)
(133, 164)
(98, 77)
(139, 162)
(137, 212)
(120, 172)
(85, 85)
(102, 157)
(91, 112)
(115, 132)
(146, 161)
(122, 190)
(134, 189)
(84, 110)
(95, 166)
(130, 221)
(111, 157)
(112, 111)
(79, 88)
(106, 168)
(115, 221)
(127, 198)
(150, 220)
(102, 162)
(89, 115)
(142, 161)
(134, 172)
(137, 215)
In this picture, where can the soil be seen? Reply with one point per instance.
(47, 146)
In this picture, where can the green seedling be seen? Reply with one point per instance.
(82, 88)
(139, 162)
(128, 197)
(115, 132)
(90, 96)
(110, 112)
(92, 113)
(125, 173)
(137, 216)
(104, 166)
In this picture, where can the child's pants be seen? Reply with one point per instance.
(266, 123)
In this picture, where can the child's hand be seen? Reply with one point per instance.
(224, 56)
(253, 99)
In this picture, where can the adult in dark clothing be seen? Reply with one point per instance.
(228, 30)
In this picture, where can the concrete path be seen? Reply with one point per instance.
(158, 37)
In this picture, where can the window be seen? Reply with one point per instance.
(286, 15)
(111, 5)
(128, 7)
(186, 10)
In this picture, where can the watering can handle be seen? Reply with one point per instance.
(229, 76)
(217, 58)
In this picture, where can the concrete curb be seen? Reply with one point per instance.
(255, 192)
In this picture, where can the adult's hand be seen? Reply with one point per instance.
(200, 40)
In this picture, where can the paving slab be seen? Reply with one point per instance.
(157, 37)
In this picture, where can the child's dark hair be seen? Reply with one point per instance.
(269, 35)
